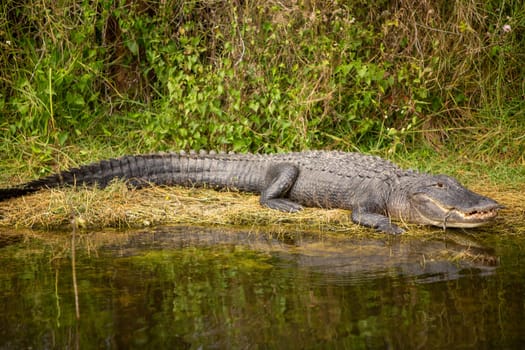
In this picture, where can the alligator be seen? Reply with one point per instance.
(374, 189)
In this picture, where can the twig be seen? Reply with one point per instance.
(73, 264)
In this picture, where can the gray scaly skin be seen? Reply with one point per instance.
(374, 189)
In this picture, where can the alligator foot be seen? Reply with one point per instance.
(379, 222)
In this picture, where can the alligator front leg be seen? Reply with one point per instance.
(374, 220)
(279, 179)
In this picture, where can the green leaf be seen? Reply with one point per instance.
(133, 47)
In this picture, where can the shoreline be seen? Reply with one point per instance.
(120, 207)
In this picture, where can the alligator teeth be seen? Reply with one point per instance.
(482, 214)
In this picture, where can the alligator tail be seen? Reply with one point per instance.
(6, 193)
(100, 174)
(243, 172)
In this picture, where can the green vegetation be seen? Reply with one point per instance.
(83, 80)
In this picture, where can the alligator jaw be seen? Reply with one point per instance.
(455, 217)
(475, 218)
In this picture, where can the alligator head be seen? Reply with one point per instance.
(441, 200)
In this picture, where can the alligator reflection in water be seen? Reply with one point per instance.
(439, 257)
(179, 287)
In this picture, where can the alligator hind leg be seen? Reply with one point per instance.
(279, 179)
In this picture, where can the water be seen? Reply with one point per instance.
(201, 288)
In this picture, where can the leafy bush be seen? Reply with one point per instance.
(259, 76)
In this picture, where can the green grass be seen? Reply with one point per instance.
(437, 84)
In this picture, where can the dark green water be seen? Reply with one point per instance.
(195, 288)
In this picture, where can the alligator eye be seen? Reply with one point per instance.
(439, 185)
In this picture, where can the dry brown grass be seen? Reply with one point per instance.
(120, 207)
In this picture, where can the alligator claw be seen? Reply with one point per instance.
(377, 221)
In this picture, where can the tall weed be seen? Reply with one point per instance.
(260, 76)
